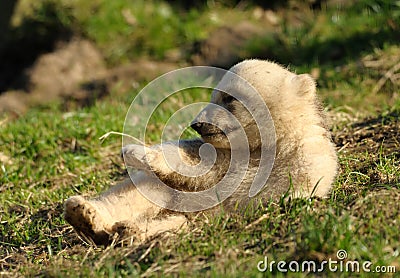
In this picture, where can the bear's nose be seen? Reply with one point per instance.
(197, 126)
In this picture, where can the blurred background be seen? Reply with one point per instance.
(79, 51)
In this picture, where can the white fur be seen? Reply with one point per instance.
(304, 154)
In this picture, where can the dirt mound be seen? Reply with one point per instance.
(75, 72)
(59, 73)
(223, 47)
(55, 75)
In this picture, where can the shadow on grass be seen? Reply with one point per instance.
(23, 44)
(333, 51)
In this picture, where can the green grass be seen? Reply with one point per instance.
(55, 154)
(122, 30)
(49, 154)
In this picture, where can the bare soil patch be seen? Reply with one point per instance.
(372, 149)
(380, 135)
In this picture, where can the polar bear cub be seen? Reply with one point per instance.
(305, 158)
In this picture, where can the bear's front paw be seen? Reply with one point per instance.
(148, 159)
(135, 156)
(86, 220)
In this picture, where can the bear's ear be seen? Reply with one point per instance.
(305, 84)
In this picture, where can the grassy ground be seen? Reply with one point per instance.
(50, 154)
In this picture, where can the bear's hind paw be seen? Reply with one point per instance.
(87, 222)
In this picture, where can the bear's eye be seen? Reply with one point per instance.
(228, 99)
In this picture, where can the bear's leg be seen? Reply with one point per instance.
(154, 158)
(121, 209)
(184, 165)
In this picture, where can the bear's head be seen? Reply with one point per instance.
(251, 96)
